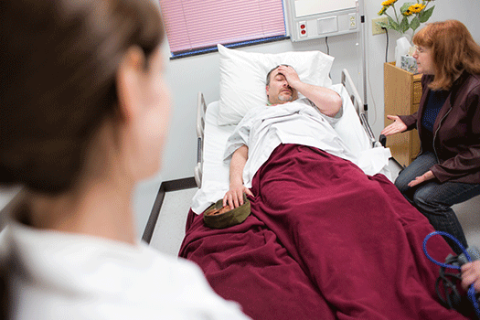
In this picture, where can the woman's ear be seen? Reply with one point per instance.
(129, 82)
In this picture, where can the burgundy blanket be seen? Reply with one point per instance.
(324, 241)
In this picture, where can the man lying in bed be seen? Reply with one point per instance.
(312, 116)
(354, 236)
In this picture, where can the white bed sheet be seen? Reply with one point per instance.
(215, 175)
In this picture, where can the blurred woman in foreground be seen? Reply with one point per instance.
(84, 114)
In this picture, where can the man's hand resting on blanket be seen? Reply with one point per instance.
(234, 196)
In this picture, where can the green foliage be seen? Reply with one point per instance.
(415, 23)
(425, 15)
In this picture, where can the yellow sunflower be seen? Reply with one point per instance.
(416, 8)
(382, 11)
(388, 3)
(407, 12)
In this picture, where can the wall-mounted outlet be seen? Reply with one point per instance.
(376, 29)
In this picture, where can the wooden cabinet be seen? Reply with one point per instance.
(403, 91)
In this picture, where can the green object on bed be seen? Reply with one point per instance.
(219, 217)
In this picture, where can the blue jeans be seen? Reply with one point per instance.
(435, 199)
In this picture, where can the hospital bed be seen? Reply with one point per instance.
(324, 240)
(354, 128)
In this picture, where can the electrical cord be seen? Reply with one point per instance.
(328, 52)
(450, 287)
(373, 101)
(386, 51)
(471, 290)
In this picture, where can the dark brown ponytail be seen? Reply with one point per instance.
(4, 292)
(58, 65)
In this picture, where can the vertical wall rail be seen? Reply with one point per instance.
(201, 109)
(361, 7)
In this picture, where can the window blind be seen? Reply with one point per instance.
(196, 24)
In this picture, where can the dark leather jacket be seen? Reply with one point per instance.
(456, 141)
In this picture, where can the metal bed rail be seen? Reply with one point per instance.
(201, 109)
(359, 106)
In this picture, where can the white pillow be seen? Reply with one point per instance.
(243, 77)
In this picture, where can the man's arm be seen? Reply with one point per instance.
(326, 100)
(234, 196)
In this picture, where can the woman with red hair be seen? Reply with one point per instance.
(447, 170)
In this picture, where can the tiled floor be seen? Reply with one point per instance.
(170, 227)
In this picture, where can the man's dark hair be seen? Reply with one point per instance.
(270, 72)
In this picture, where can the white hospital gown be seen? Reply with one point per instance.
(72, 276)
(298, 122)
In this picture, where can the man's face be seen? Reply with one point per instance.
(278, 91)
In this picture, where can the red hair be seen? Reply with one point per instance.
(454, 51)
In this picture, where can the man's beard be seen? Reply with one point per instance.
(284, 98)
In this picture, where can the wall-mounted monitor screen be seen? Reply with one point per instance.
(311, 7)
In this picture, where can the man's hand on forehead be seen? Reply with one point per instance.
(290, 74)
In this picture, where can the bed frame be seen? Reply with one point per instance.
(347, 82)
